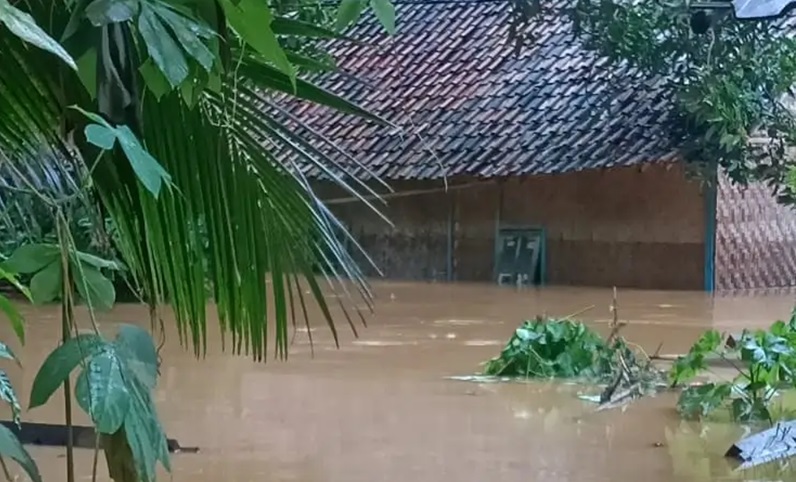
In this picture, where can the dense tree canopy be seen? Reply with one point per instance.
(729, 80)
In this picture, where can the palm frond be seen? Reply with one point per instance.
(36, 159)
(241, 213)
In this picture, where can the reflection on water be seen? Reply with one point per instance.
(382, 409)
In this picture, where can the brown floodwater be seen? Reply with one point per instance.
(381, 408)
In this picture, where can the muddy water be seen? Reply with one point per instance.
(380, 408)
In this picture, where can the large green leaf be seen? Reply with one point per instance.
(385, 12)
(104, 12)
(96, 261)
(94, 287)
(59, 364)
(102, 393)
(136, 347)
(190, 34)
(47, 284)
(147, 168)
(144, 433)
(11, 447)
(31, 258)
(163, 49)
(155, 81)
(252, 20)
(349, 12)
(25, 27)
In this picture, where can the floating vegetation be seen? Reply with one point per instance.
(550, 348)
(764, 363)
(546, 348)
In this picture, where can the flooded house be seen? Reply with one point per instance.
(543, 166)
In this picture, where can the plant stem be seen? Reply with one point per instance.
(96, 456)
(66, 333)
(5, 470)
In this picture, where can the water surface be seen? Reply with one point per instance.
(381, 409)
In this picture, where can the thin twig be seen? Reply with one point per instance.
(640, 349)
(96, 456)
(657, 351)
(5, 470)
(615, 324)
(578, 313)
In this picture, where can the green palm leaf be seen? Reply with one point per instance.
(240, 212)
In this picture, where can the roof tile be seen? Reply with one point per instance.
(467, 104)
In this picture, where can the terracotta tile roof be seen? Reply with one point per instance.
(755, 239)
(467, 105)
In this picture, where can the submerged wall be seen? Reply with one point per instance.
(627, 227)
(755, 239)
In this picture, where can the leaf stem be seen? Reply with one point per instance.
(96, 456)
(5, 470)
(66, 323)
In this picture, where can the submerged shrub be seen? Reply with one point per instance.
(765, 364)
(553, 348)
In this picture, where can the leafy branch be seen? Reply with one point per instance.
(10, 446)
(728, 82)
(114, 387)
(765, 362)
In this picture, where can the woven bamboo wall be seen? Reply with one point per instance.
(624, 227)
(415, 247)
(755, 239)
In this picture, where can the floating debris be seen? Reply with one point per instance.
(460, 322)
(482, 343)
(546, 348)
(382, 343)
(776, 443)
(481, 379)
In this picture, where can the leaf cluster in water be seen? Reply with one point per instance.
(551, 348)
(765, 361)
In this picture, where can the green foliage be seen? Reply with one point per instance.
(44, 262)
(59, 364)
(214, 125)
(728, 86)
(10, 446)
(25, 27)
(350, 11)
(299, 25)
(115, 389)
(149, 171)
(765, 361)
(8, 308)
(238, 212)
(547, 348)
(27, 220)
